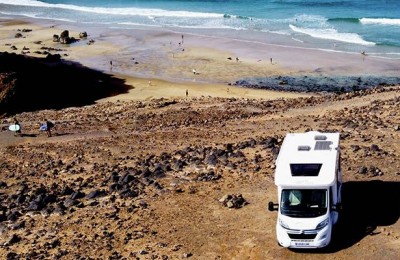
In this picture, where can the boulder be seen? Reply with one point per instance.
(56, 38)
(233, 201)
(83, 35)
(53, 57)
(64, 34)
(65, 39)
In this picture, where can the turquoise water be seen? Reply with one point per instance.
(353, 25)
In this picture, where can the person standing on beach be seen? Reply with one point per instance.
(271, 60)
(48, 125)
(18, 132)
(182, 38)
(187, 93)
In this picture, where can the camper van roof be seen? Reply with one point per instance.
(307, 159)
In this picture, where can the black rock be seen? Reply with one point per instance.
(18, 225)
(35, 206)
(115, 187)
(229, 148)
(70, 202)
(60, 208)
(67, 191)
(77, 195)
(13, 216)
(363, 170)
(210, 176)
(126, 178)
(211, 159)
(12, 256)
(375, 148)
(238, 154)
(14, 239)
(355, 148)
(20, 199)
(178, 165)
(95, 194)
(114, 177)
(128, 193)
(2, 217)
(270, 142)
(233, 201)
(83, 35)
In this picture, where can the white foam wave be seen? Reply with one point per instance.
(332, 34)
(37, 16)
(384, 21)
(114, 11)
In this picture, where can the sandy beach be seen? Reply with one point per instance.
(156, 63)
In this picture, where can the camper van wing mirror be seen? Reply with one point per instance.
(272, 206)
(337, 207)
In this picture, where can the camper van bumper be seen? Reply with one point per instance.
(304, 238)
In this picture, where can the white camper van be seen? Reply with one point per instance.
(309, 181)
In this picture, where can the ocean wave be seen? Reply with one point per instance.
(332, 34)
(37, 16)
(130, 11)
(347, 20)
(237, 17)
(384, 21)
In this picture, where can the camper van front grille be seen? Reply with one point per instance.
(302, 236)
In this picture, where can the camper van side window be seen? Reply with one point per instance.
(300, 169)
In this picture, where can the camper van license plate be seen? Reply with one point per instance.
(302, 244)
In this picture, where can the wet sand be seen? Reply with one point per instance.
(148, 54)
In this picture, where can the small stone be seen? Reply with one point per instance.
(224, 198)
(187, 255)
(14, 239)
(375, 148)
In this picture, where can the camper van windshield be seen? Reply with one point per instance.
(304, 203)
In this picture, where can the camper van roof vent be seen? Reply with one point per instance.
(320, 137)
(322, 145)
(304, 148)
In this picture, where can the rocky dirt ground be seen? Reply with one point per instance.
(150, 180)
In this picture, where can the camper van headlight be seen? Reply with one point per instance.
(323, 224)
(283, 224)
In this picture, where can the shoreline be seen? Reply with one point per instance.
(141, 55)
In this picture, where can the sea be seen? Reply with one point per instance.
(372, 26)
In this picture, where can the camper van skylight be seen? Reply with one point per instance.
(320, 137)
(322, 145)
(300, 170)
(304, 148)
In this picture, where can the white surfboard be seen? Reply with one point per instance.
(14, 128)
